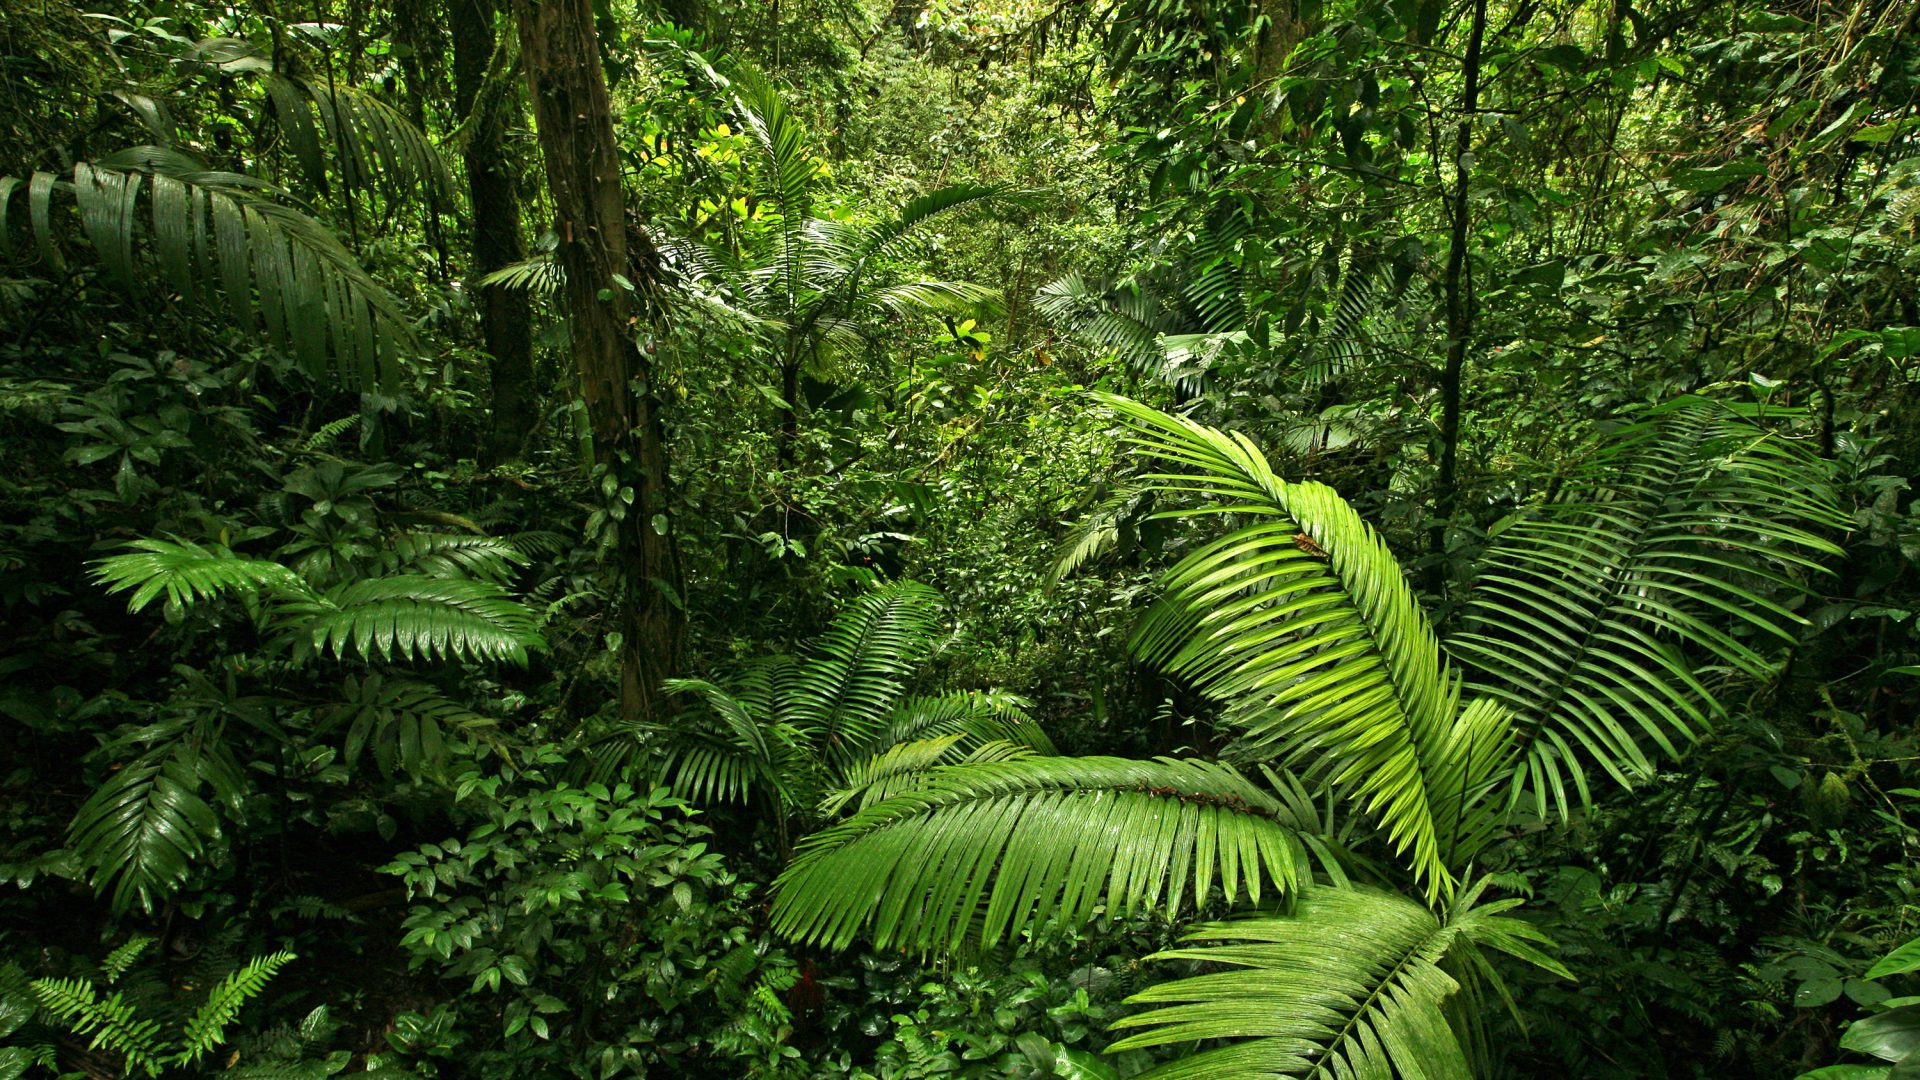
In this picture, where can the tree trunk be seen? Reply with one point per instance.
(505, 318)
(575, 121)
(1459, 300)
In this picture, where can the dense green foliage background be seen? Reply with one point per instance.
(759, 631)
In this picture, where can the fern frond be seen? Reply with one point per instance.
(207, 1027)
(111, 1022)
(115, 966)
(982, 851)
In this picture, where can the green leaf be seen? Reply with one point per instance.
(1890, 1036)
(1898, 962)
(1349, 985)
(985, 850)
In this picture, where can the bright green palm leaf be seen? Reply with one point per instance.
(1301, 622)
(982, 851)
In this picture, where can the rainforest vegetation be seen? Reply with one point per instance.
(959, 538)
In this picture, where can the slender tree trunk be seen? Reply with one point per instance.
(505, 318)
(575, 119)
(1459, 301)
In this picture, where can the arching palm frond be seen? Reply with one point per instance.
(978, 715)
(374, 144)
(1688, 535)
(957, 298)
(453, 555)
(982, 851)
(1350, 983)
(188, 573)
(1301, 622)
(1126, 319)
(1100, 531)
(406, 725)
(414, 616)
(745, 753)
(140, 832)
(371, 142)
(218, 239)
(904, 764)
(408, 615)
(849, 253)
(845, 691)
(1216, 285)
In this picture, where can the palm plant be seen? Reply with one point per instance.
(838, 725)
(237, 245)
(1299, 622)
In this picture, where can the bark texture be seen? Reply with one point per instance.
(575, 120)
(505, 319)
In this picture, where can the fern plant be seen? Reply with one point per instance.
(1299, 622)
(111, 1022)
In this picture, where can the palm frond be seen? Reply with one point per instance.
(980, 715)
(1301, 622)
(932, 298)
(141, 831)
(412, 615)
(743, 754)
(1349, 984)
(855, 250)
(406, 615)
(1216, 286)
(903, 764)
(1687, 535)
(541, 275)
(407, 725)
(846, 690)
(373, 142)
(188, 573)
(1126, 319)
(453, 555)
(1100, 531)
(219, 240)
(982, 851)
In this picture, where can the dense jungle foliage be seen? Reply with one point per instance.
(978, 538)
